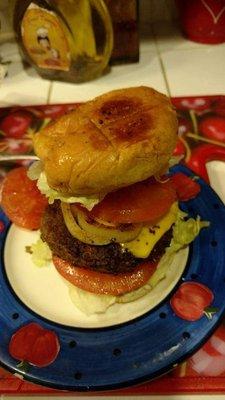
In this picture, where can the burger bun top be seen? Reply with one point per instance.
(115, 140)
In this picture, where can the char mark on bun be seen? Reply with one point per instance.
(115, 140)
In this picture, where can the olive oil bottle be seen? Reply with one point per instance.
(67, 40)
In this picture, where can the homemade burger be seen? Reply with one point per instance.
(111, 207)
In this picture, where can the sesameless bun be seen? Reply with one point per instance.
(117, 139)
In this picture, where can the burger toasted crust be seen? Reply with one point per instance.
(109, 258)
(117, 139)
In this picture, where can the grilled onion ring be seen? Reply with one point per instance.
(117, 235)
(88, 233)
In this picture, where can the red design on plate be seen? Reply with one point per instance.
(34, 345)
(191, 300)
(186, 188)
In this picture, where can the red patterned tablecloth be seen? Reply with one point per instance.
(201, 139)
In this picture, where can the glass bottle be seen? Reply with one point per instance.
(68, 40)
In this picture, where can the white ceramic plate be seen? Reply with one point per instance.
(46, 293)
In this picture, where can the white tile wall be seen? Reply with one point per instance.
(146, 72)
(10, 51)
(168, 61)
(22, 86)
(195, 71)
(168, 36)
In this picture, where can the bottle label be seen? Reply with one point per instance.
(44, 39)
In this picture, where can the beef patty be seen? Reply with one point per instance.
(110, 258)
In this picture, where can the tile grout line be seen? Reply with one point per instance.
(164, 74)
(161, 63)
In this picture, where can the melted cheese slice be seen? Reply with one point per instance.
(143, 244)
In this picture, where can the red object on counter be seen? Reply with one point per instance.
(202, 21)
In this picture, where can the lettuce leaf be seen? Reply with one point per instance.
(174, 160)
(184, 232)
(36, 172)
(52, 194)
(41, 253)
(90, 303)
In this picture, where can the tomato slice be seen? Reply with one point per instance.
(103, 283)
(142, 202)
(21, 200)
(186, 187)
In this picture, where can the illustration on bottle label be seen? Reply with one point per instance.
(44, 39)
